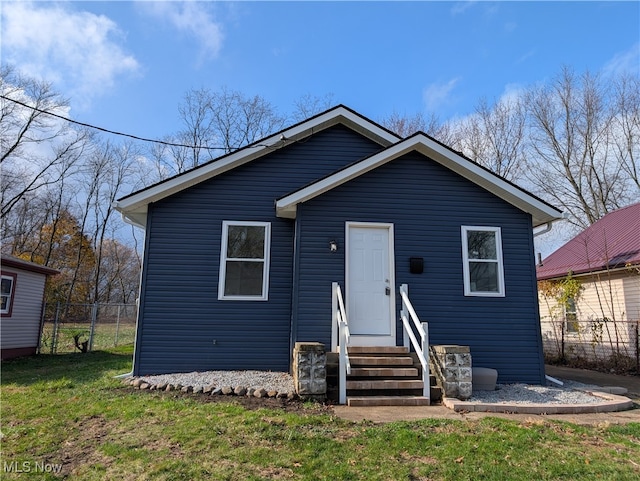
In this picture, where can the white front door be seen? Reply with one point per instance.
(370, 295)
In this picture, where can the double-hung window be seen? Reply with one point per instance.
(244, 261)
(7, 287)
(571, 316)
(482, 261)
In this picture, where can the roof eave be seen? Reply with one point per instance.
(541, 212)
(135, 218)
(130, 206)
(17, 263)
(588, 272)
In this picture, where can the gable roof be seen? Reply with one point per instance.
(133, 207)
(541, 212)
(611, 242)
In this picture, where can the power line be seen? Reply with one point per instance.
(122, 134)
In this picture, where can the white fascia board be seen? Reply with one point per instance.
(286, 206)
(363, 126)
(134, 207)
(139, 201)
(541, 212)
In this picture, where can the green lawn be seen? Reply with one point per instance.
(106, 335)
(69, 410)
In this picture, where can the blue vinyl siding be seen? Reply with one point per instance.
(181, 316)
(427, 205)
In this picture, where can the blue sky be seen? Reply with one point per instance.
(126, 65)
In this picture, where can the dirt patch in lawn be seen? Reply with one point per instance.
(82, 451)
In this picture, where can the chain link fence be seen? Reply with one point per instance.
(600, 344)
(87, 327)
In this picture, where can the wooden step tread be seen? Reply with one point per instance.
(377, 350)
(384, 371)
(380, 361)
(365, 401)
(384, 384)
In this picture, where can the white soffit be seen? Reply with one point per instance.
(541, 212)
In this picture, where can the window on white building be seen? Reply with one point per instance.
(6, 292)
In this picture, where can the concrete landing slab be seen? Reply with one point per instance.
(610, 403)
(604, 380)
(387, 414)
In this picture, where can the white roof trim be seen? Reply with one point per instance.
(540, 211)
(134, 207)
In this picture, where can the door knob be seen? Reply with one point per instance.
(387, 290)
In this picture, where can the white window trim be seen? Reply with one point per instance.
(567, 313)
(466, 260)
(223, 261)
(10, 301)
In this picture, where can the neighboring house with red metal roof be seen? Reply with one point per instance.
(605, 260)
(22, 302)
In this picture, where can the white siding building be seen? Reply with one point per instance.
(22, 293)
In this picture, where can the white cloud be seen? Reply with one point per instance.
(510, 27)
(192, 19)
(624, 62)
(438, 94)
(526, 56)
(461, 7)
(512, 93)
(73, 49)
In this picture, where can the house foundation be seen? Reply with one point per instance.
(310, 370)
(452, 366)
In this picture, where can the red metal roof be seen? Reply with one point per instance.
(613, 241)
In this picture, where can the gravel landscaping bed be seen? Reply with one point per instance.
(569, 393)
(240, 383)
(280, 384)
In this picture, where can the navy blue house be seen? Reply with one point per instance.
(241, 252)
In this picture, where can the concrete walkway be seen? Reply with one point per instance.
(630, 383)
(385, 414)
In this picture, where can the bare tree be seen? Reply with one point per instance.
(36, 150)
(625, 131)
(34, 210)
(405, 125)
(119, 273)
(571, 162)
(309, 105)
(108, 173)
(214, 123)
(241, 120)
(199, 130)
(162, 162)
(494, 136)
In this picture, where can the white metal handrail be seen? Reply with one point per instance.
(340, 318)
(411, 321)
